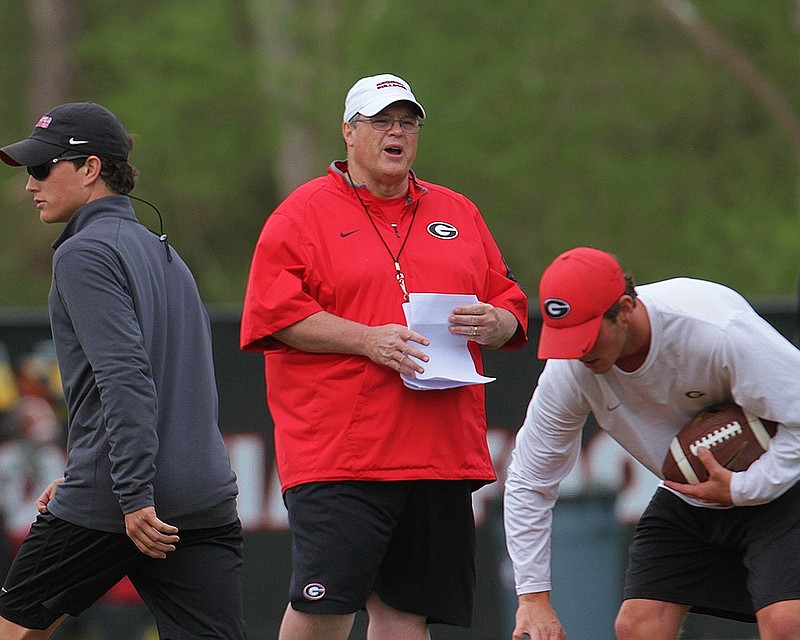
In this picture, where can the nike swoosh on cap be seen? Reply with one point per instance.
(74, 141)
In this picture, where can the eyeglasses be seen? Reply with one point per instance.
(384, 123)
(42, 171)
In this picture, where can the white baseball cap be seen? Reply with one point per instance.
(371, 95)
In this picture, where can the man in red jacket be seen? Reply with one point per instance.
(377, 477)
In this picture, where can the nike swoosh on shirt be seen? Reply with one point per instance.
(614, 408)
(344, 234)
(74, 141)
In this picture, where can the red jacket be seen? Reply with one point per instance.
(343, 417)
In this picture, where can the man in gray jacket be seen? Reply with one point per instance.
(148, 491)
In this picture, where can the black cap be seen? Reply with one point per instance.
(83, 127)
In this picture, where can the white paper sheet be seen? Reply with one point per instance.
(450, 363)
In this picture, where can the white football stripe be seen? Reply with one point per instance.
(682, 462)
(758, 429)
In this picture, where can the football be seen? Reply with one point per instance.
(733, 435)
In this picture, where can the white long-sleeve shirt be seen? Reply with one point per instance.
(707, 345)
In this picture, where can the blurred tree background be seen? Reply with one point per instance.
(667, 137)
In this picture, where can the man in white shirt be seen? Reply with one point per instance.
(644, 360)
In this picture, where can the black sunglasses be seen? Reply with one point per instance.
(42, 171)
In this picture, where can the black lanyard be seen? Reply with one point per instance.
(401, 279)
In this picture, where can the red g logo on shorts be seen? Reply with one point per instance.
(313, 591)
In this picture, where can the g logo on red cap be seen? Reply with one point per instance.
(556, 308)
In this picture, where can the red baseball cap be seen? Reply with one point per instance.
(575, 291)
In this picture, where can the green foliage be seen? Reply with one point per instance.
(597, 122)
(183, 83)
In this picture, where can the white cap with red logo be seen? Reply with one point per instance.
(371, 95)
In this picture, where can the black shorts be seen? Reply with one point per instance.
(724, 562)
(62, 568)
(413, 543)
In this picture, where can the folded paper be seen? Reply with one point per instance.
(450, 364)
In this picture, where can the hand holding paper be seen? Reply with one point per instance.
(450, 363)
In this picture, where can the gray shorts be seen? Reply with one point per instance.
(411, 542)
(724, 562)
(63, 568)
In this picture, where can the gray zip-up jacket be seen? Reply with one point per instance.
(133, 342)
